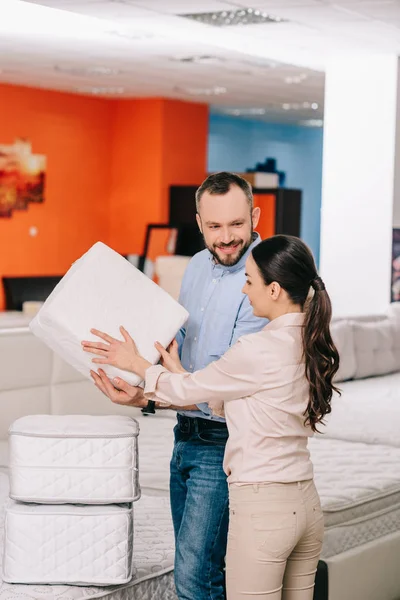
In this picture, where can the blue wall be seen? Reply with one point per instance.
(237, 144)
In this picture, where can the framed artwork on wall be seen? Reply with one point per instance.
(22, 177)
(395, 290)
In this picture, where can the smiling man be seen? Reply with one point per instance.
(226, 222)
(219, 313)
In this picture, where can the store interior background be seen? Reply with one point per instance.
(126, 99)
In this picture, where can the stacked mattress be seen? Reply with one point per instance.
(73, 481)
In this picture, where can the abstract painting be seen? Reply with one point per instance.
(22, 177)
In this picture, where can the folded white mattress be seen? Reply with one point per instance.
(153, 558)
(102, 290)
(83, 545)
(74, 458)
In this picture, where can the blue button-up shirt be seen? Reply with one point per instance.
(219, 313)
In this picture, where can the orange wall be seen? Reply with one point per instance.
(157, 143)
(109, 167)
(74, 133)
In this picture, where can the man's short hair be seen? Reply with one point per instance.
(219, 184)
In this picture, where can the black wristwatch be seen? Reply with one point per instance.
(150, 409)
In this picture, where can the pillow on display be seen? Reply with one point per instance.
(102, 290)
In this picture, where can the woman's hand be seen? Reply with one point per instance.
(170, 357)
(121, 354)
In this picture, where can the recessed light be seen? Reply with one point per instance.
(295, 78)
(135, 36)
(213, 91)
(252, 111)
(297, 105)
(101, 91)
(226, 18)
(92, 70)
(312, 123)
(203, 59)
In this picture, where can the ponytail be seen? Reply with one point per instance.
(288, 261)
(320, 353)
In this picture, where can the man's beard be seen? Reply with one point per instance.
(230, 259)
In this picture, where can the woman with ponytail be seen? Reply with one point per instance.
(275, 387)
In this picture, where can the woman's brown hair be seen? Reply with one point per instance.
(288, 261)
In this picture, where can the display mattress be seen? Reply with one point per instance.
(153, 557)
(80, 544)
(58, 459)
(359, 486)
(359, 483)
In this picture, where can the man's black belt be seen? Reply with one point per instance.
(197, 424)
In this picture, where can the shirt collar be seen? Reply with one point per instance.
(293, 319)
(242, 261)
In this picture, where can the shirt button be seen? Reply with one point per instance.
(195, 339)
(214, 280)
(190, 366)
(202, 309)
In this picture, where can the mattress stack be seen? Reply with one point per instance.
(73, 481)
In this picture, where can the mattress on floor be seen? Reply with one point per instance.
(74, 458)
(68, 543)
(359, 486)
(102, 290)
(153, 557)
(367, 411)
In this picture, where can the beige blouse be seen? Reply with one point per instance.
(261, 384)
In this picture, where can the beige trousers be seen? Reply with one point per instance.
(274, 541)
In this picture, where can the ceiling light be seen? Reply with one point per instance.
(226, 18)
(213, 91)
(135, 36)
(101, 91)
(297, 105)
(312, 123)
(253, 111)
(94, 70)
(296, 78)
(203, 59)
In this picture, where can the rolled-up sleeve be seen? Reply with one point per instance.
(234, 375)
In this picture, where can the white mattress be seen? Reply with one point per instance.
(359, 483)
(102, 290)
(359, 486)
(368, 411)
(153, 557)
(74, 458)
(78, 544)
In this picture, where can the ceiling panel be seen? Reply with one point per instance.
(140, 47)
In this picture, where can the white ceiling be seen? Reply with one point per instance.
(134, 48)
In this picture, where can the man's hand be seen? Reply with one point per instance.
(127, 395)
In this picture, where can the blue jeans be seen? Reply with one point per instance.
(199, 504)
